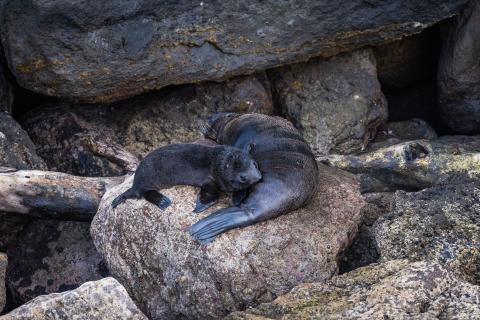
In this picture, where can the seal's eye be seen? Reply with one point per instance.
(237, 164)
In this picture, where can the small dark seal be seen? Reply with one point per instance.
(288, 167)
(213, 168)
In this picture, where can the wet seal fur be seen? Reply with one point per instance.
(288, 167)
(213, 168)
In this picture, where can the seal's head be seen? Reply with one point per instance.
(216, 123)
(235, 169)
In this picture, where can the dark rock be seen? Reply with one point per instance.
(363, 250)
(414, 165)
(3, 271)
(459, 72)
(11, 226)
(400, 131)
(102, 51)
(104, 299)
(171, 276)
(16, 148)
(440, 223)
(6, 88)
(52, 256)
(139, 124)
(392, 290)
(408, 62)
(337, 103)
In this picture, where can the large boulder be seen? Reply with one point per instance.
(104, 299)
(3, 271)
(52, 256)
(337, 103)
(441, 223)
(16, 148)
(414, 165)
(64, 134)
(392, 290)
(459, 72)
(172, 276)
(105, 50)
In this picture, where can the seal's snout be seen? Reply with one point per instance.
(254, 173)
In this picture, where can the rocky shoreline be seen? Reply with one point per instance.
(387, 95)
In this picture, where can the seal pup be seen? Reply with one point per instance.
(213, 168)
(288, 167)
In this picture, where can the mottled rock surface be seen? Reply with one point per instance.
(459, 72)
(364, 250)
(16, 148)
(392, 290)
(3, 271)
(336, 103)
(104, 299)
(398, 131)
(98, 51)
(52, 256)
(63, 134)
(440, 223)
(172, 276)
(414, 165)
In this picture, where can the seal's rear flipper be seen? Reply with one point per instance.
(130, 193)
(223, 220)
(158, 199)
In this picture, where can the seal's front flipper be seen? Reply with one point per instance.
(239, 196)
(207, 197)
(218, 222)
(158, 199)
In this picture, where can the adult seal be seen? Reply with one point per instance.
(213, 168)
(288, 167)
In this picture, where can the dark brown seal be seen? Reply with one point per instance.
(288, 167)
(213, 168)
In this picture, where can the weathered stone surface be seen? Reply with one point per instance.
(408, 62)
(363, 250)
(395, 132)
(11, 226)
(171, 276)
(16, 148)
(104, 299)
(140, 124)
(414, 165)
(337, 103)
(98, 51)
(3, 271)
(459, 72)
(392, 290)
(441, 223)
(52, 256)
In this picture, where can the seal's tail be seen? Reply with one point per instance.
(130, 193)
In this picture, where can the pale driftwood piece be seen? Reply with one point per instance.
(113, 152)
(52, 194)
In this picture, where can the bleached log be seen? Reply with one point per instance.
(50, 194)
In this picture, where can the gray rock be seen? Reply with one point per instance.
(363, 250)
(414, 165)
(337, 103)
(102, 51)
(16, 148)
(459, 72)
(440, 223)
(3, 271)
(399, 131)
(392, 290)
(140, 124)
(52, 256)
(171, 276)
(104, 299)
